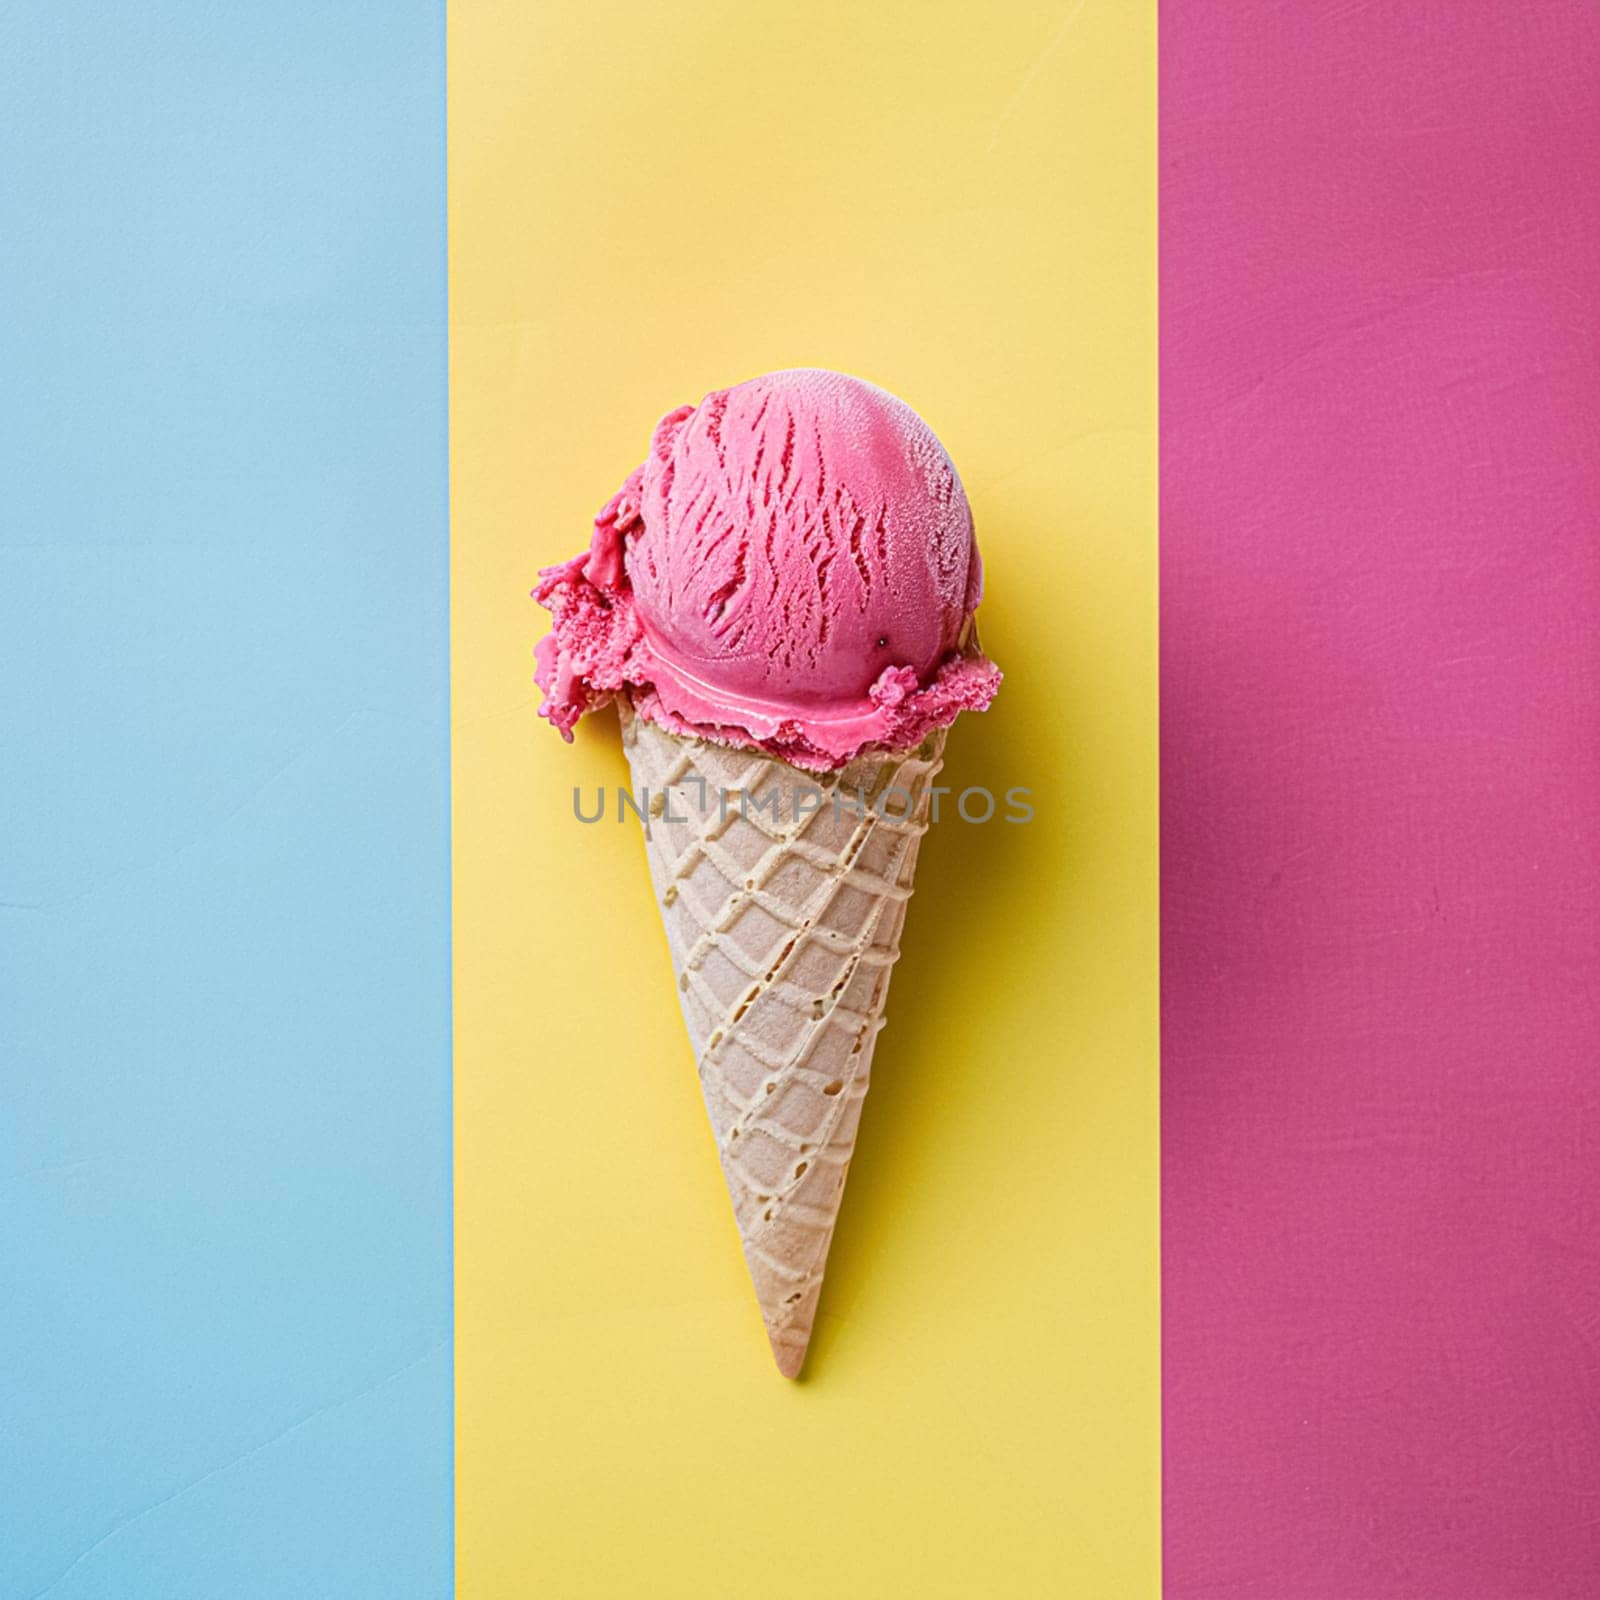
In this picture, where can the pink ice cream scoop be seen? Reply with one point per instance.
(792, 568)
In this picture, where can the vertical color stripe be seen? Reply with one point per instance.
(224, 1026)
(1381, 799)
(647, 202)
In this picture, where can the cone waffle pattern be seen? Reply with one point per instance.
(783, 931)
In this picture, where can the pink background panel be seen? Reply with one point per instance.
(1381, 798)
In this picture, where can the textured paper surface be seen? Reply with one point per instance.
(647, 202)
(1380, 800)
(224, 854)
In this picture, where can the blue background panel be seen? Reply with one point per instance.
(225, 1356)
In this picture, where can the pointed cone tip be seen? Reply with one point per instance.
(789, 1359)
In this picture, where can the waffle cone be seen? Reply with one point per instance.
(784, 922)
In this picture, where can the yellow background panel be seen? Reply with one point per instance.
(648, 201)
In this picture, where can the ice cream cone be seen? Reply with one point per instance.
(783, 894)
(785, 586)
